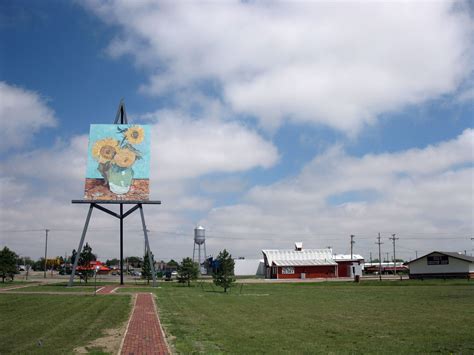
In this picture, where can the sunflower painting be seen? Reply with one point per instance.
(118, 162)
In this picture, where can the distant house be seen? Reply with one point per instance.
(442, 264)
(248, 267)
(299, 263)
(349, 266)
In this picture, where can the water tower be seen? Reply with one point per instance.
(199, 239)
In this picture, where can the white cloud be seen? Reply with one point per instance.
(427, 192)
(418, 193)
(23, 113)
(188, 149)
(338, 64)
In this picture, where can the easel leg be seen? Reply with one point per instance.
(147, 246)
(121, 244)
(79, 249)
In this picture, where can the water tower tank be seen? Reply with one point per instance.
(199, 235)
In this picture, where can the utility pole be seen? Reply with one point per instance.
(352, 245)
(387, 258)
(380, 258)
(416, 254)
(371, 257)
(45, 251)
(393, 239)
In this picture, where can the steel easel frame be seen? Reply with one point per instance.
(120, 118)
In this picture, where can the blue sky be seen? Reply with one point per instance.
(271, 122)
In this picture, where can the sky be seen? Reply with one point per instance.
(272, 122)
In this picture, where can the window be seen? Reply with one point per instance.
(438, 260)
(287, 270)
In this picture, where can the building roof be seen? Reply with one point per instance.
(312, 262)
(93, 265)
(347, 257)
(290, 257)
(449, 253)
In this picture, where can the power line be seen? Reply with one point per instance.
(380, 257)
(352, 245)
(46, 251)
(393, 239)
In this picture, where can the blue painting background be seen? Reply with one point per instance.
(141, 168)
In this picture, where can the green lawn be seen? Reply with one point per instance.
(12, 284)
(371, 317)
(56, 324)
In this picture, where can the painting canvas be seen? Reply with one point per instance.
(118, 162)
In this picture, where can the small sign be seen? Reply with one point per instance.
(438, 260)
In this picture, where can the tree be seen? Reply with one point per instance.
(224, 275)
(85, 259)
(172, 264)
(73, 256)
(146, 269)
(7, 263)
(39, 265)
(112, 262)
(188, 270)
(135, 261)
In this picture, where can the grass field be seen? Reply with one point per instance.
(56, 324)
(329, 317)
(371, 317)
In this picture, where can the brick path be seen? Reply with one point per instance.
(107, 289)
(144, 334)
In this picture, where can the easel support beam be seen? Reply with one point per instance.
(121, 216)
(103, 209)
(147, 245)
(79, 249)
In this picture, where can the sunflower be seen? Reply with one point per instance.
(135, 134)
(124, 158)
(104, 150)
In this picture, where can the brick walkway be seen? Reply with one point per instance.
(144, 334)
(107, 289)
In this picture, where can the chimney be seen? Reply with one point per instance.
(299, 246)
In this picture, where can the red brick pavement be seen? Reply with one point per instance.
(106, 289)
(144, 334)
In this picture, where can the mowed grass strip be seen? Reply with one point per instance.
(56, 324)
(13, 284)
(58, 288)
(320, 318)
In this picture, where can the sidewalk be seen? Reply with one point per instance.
(144, 334)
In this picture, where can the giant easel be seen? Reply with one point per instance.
(120, 118)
